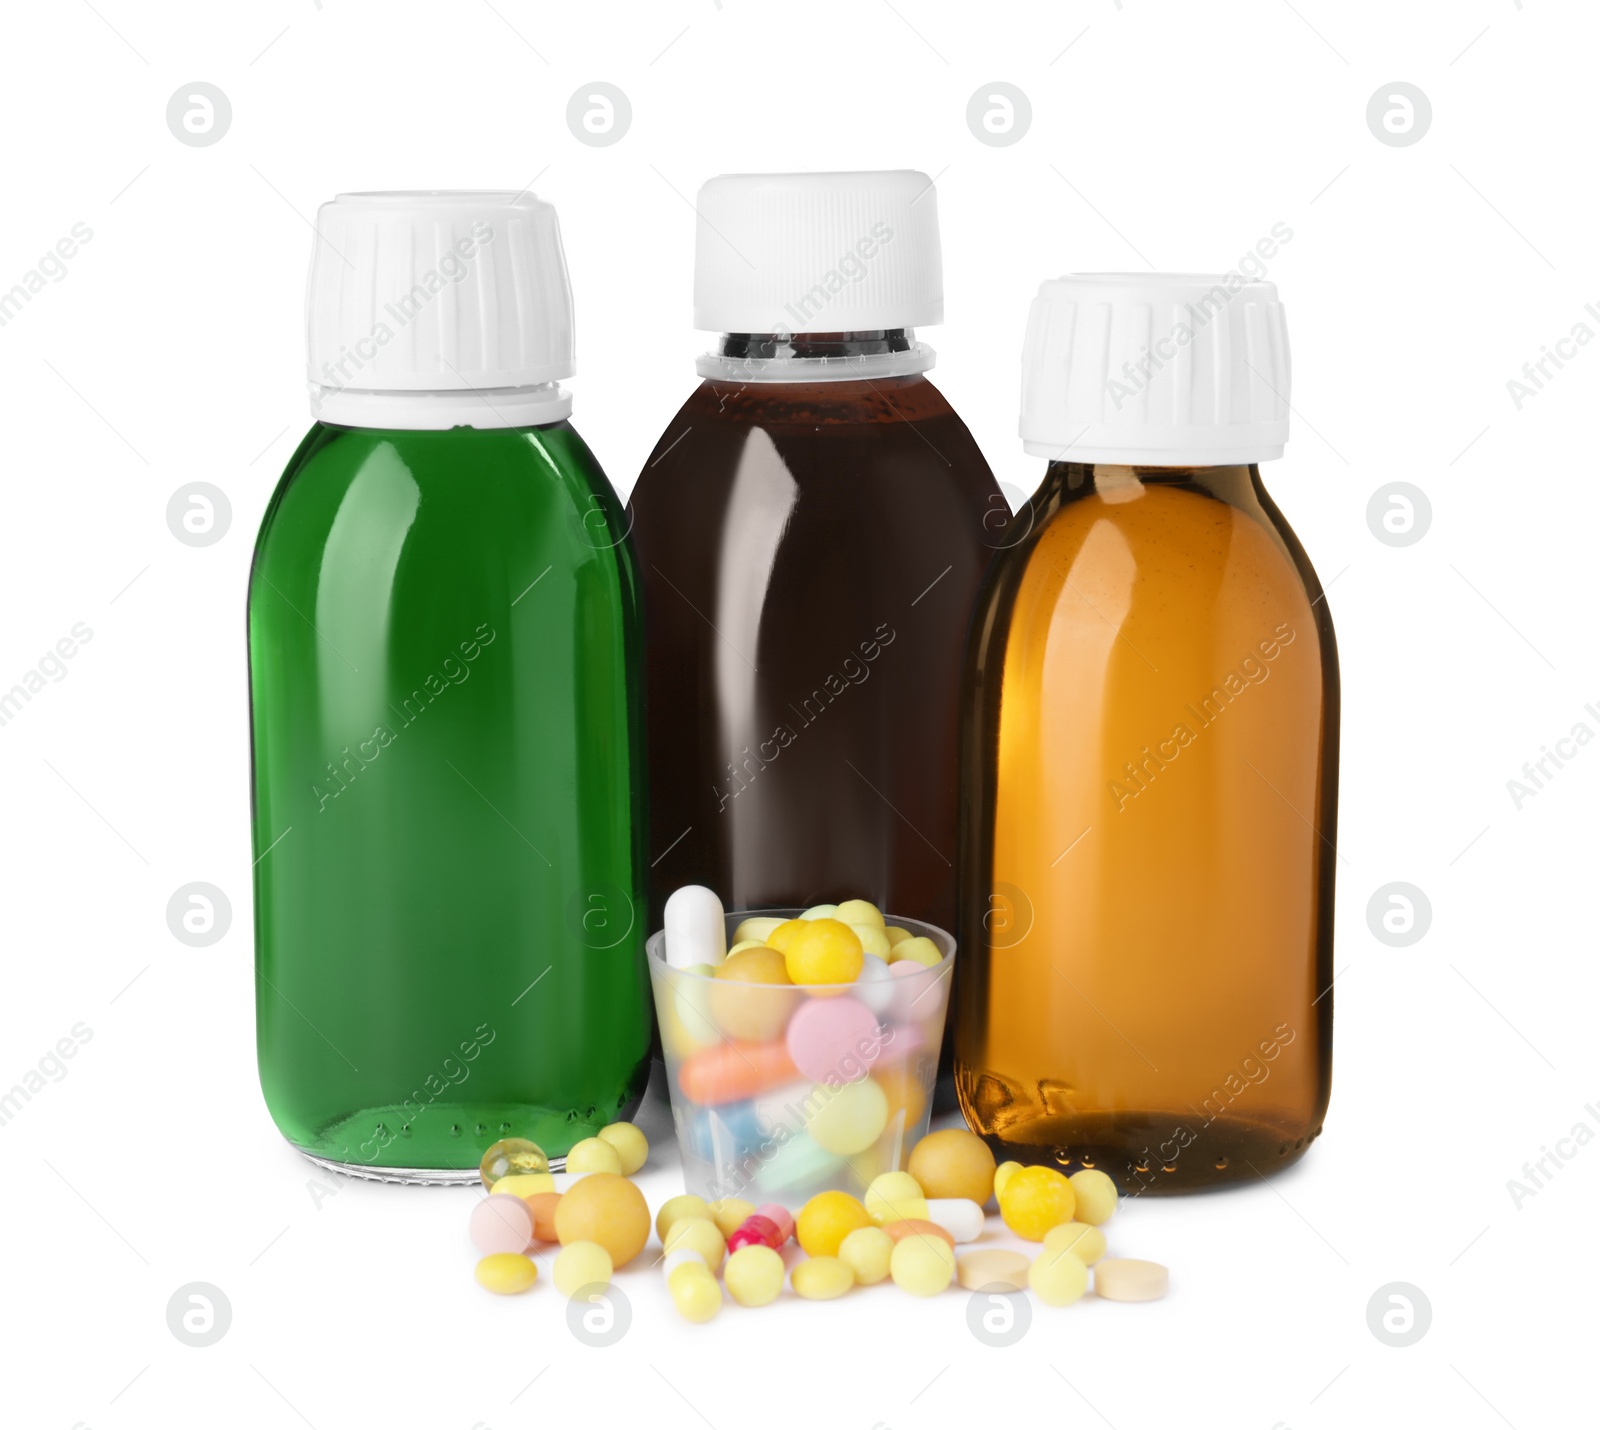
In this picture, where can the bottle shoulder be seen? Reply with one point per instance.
(458, 465)
(465, 489)
(820, 432)
(455, 449)
(874, 401)
(1151, 552)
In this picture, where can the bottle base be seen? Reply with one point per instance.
(1157, 1154)
(441, 1144)
(408, 1176)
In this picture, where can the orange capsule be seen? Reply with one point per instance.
(731, 1072)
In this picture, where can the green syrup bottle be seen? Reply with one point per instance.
(445, 713)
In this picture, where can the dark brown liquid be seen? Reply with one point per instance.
(810, 554)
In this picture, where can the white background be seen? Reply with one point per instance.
(1418, 281)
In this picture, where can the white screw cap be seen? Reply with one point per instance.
(1156, 369)
(438, 309)
(817, 253)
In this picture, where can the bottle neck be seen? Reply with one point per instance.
(536, 405)
(1114, 482)
(816, 357)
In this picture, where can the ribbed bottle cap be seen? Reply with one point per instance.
(1156, 369)
(817, 253)
(436, 310)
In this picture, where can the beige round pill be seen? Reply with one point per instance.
(1087, 1243)
(859, 911)
(729, 1214)
(1120, 1279)
(873, 939)
(984, 1270)
(755, 930)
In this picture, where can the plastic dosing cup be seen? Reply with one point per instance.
(780, 1091)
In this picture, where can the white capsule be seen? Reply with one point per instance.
(697, 931)
(875, 984)
(961, 1218)
(682, 1257)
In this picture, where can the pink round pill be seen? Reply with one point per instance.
(779, 1217)
(501, 1222)
(834, 1038)
(900, 1040)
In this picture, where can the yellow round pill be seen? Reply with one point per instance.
(779, 937)
(1003, 1174)
(747, 998)
(1058, 1278)
(821, 1278)
(695, 1292)
(684, 1013)
(896, 934)
(903, 1085)
(583, 1263)
(859, 911)
(922, 1265)
(631, 1145)
(850, 1119)
(823, 951)
(954, 1163)
(693, 1233)
(1096, 1194)
(896, 1196)
(826, 1220)
(681, 1206)
(593, 1155)
(754, 1275)
(866, 1251)
(506, 1273)
(820, 911)
(1087, 1243)
(1036, 1199)
(729, 1214)
(525, 1184)
(607, 1208)
(921, 950)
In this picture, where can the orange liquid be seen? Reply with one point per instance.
(1149, 786)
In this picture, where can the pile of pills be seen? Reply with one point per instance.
(910, 1227)
(818, 1013)
(601, 1220)
(801, 1055)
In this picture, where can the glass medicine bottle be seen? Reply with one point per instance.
(1150, 757)
(448, 749)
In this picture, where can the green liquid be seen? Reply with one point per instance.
(448, 824)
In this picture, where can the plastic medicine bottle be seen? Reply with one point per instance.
(811, 530)
(443, 631)
(1150, 757)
